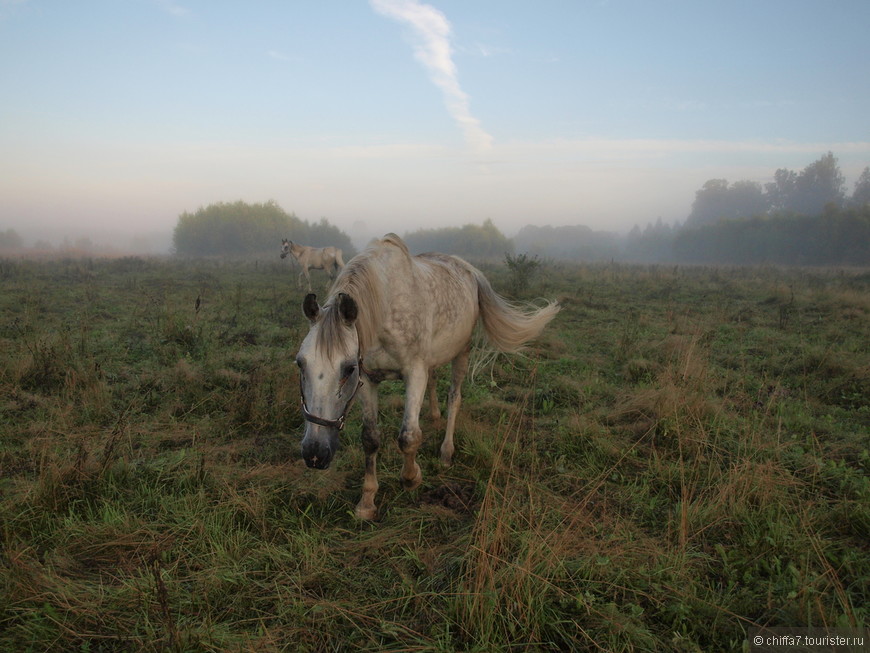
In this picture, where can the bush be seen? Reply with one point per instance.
(521, 268)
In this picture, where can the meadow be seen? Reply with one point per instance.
(682, 456)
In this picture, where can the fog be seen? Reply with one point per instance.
(397, 115)
(131, 204)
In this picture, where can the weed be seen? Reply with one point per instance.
(521, 269)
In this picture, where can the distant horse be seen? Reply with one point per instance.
(327, 259)
(393, 315)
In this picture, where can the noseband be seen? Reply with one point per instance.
(337, 423)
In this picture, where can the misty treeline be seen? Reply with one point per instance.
(471, 241)
(10, 240)
(807, 193)
(241, 229)
(800, 218)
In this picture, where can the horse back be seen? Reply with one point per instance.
(440, 305)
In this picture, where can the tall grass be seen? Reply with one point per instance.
(682, 456)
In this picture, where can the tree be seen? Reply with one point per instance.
(819, 184)
(781, 191)
(654, 244)
(472, 241)
(835, 237)
(10, 240)
(718, 201)
(746, 199)
(710, 202)
(861, 196)
(243, 229)
(569, 242)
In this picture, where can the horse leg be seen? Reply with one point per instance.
(371, 441)
(411, 437)
(454, 400)
(434, 410)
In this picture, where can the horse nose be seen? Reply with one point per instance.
(316, 454)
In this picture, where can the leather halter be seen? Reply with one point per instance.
(337, 423)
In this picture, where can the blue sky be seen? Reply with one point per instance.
(390, 115)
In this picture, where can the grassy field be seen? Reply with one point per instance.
(682, 456)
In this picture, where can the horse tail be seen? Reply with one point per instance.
(339, 261)
(509, 326)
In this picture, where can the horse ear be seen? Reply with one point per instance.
(310, 307)
(347, 308)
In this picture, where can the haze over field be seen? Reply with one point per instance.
(392, 115)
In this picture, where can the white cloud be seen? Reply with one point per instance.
(431, 42)
(173, 8)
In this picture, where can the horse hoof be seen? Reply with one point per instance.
(409, 484)
(365, 514)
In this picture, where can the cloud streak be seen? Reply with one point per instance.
(430, 30)
(173, 8)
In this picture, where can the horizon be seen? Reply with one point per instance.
(397, 115)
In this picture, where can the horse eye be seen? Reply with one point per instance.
(348, 370)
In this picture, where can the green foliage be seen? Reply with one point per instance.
(718, 201)
(655, 244)
(477, 242)
(839, 237)
(568, 243)
(521, 269)
(861, 195)
(240, 229)
(680, 456)
(807, 193)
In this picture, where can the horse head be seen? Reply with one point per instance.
(329, 375)
(285, 247)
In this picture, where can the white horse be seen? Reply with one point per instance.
(393, 315)
(328, 259)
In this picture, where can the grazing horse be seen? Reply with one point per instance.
(393, 315)
(327, 259)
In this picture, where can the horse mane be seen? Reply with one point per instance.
(361, 280)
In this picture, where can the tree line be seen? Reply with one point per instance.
(805, 193)
(836, 237)
(241, 229)
(471, 241)
(799, 218)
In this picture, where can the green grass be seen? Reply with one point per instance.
(683, 455)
